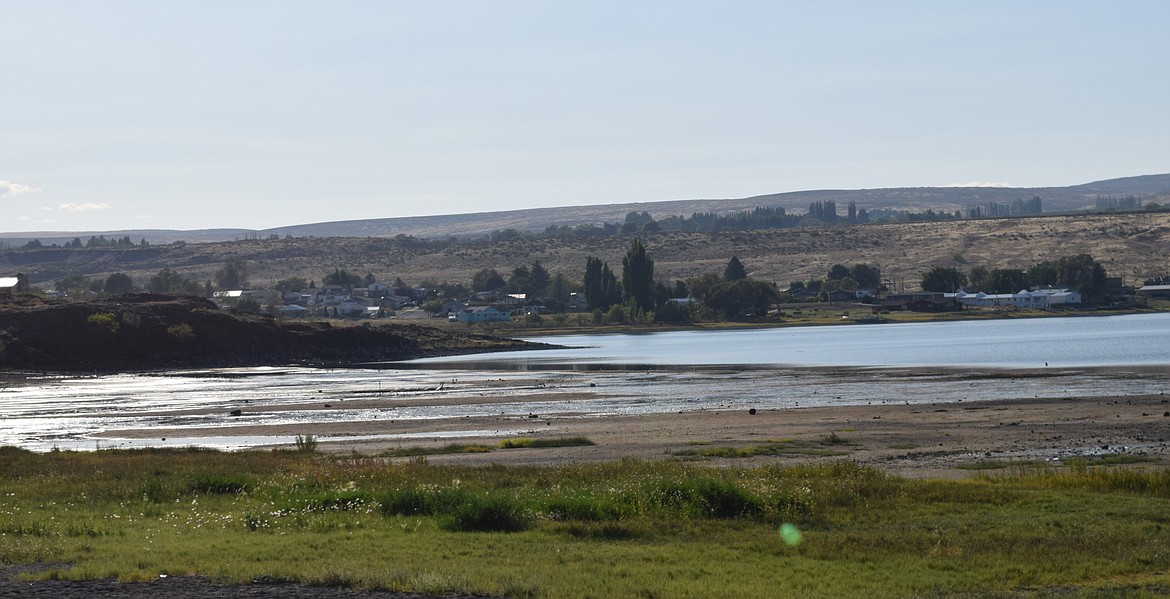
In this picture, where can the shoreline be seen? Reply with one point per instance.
(922, 440)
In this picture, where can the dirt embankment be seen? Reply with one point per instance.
(144, 332)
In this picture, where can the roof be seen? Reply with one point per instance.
(6, 282)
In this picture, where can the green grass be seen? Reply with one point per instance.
(445, 449)
(522, 442)
(822, 448)
(478, 448)
(622, 529)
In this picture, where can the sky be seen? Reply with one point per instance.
(226, 114)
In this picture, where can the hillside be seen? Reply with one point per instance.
(1134, 246)
(918, 199)
(142, 332)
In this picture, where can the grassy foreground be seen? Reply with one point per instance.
(624, 529)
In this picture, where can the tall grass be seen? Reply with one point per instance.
(625, 528)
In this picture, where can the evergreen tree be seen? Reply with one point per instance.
(538, 280)
(734, 270)
(638, 276)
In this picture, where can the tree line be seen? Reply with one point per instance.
(1079, 272)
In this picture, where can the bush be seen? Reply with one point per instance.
(306, 443)
(705, 497)
(105, 322)
(181, 331)
(220, 484)
(413, 501)
(583, 509)
(488, 514)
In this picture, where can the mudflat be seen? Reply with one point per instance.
(949, 439)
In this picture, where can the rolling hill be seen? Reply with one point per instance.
(1055, 199)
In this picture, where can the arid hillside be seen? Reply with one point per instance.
(1134, 246)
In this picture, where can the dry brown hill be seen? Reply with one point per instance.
(1134, 246)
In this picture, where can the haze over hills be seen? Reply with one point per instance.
(1055, 199)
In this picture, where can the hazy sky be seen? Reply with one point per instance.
(185, 115)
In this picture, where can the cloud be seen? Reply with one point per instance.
(10, 189)
(980, 184)
(71, 207)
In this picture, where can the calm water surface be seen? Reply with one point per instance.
(1131, 340)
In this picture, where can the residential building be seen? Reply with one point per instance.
(482, 314)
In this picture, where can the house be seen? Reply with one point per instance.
(10, 286)
(394, 302)
(373, 290)
(482, 314)
(921, 301)
(293, 311)
(451, 307)
(1040, 299)
(353, 308)
(1154, 291)
(577, 302)
(840, 295)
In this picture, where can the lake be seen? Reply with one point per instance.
(1129, 340)
(603, 375)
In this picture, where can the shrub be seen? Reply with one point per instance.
(220, 484)
(306, 443)
(105, 322)
(338, 501)
(705, 497)
(583, 509)
(181, 331)
(413, 501)
(488, 514)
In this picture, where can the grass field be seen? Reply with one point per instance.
(621, 529)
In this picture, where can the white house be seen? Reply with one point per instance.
(1040, 299)
(10, 286)
(482, 314)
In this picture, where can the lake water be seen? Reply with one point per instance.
(1130, 340)
(775, 368)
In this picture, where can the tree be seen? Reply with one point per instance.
(248, 304)
(838, 272)
(342, 277)
(292, 284)
(638, 276)
(1007, 280)
(867, 276)
(732, 298)
(943, 279)
(538, 280)
(71, 284)
(700, 286)
(487, 280)
(1084, 274)
(171, 282)
(1042, 274)
(560, 291)
(734, 270)
(601, 286)
(117, 283)
(980, 278)
(520, 281)
(233, 275)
